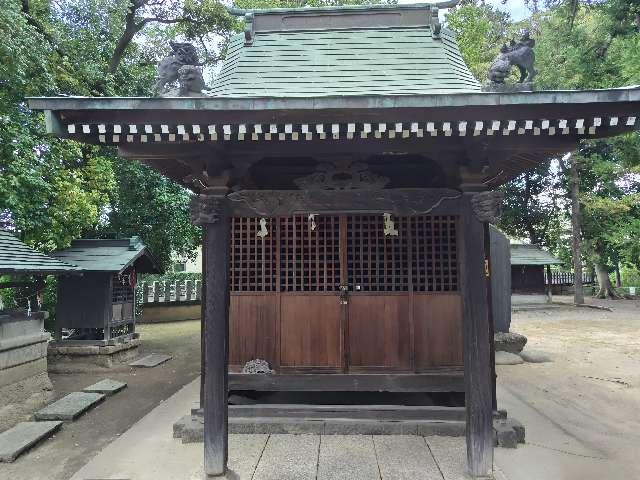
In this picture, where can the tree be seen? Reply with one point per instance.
(480, 31)
(531, 206)
(152, 206)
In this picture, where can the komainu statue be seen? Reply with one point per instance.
(518, 54)
(181, 66)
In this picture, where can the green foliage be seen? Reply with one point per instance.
(480, 31)
(153, 207)
(531, 207)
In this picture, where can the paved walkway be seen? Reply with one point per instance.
(148, 451)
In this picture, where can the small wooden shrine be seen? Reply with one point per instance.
(23, 340)
(531, 273)
(99, 305)
(347, 159)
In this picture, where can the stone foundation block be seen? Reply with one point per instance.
(85, 358)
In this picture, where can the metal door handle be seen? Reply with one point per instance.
(343, 294)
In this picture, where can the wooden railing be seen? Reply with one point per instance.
(177, 291)
(567, 278)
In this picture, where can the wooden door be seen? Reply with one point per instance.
(378, 271)
(402, 310)
(311, 316)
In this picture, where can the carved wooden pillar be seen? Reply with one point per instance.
(211, 212)
(477, 209)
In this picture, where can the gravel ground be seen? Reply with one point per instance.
(591, 390)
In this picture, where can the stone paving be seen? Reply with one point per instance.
(151, 360)
(23, 436)
(70, 407)
(106, 386)
(148, 451)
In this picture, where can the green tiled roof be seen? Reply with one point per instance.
(16, 257)
(342, 56)
(522, 254)
(95, 255)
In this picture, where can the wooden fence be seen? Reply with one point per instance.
(177, 291)
(566, 278)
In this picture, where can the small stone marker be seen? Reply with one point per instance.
(24, 435)
(70, 407)
(506, 358)
(534, 356)
(152, 360)
(106, 386)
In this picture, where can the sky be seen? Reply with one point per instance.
(516, 8)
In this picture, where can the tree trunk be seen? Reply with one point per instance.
(606, 289)
(123, 42)
(618, 276)
(576, 243)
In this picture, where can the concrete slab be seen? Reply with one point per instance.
(148, 451)
(450, 454)
(347, 456)
(23, 436)
(70, 407)
(405, 458)
(151, 360)
(245, 452)
(289, 457)
(106, 386)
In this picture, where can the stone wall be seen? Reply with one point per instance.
(23, 346)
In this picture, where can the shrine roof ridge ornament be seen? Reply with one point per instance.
(344, 8)
(341, 17)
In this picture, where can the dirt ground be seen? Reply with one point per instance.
(76, 443)
(591, 390)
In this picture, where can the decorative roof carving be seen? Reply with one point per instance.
(345, 175)
(183, 67)
(519, 54)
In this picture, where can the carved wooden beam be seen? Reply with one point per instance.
(207, 209)
(487, 206)
(409, 201)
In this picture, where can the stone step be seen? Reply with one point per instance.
(191, 428)
(151, 360)
(106, 386)
(375, 412)
(70, 407)
(23, 436)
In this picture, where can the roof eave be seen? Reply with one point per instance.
(427, 100)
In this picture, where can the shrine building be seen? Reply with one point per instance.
(344, 164)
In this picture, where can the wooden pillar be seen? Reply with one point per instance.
(203, 303)
(210, 211)
(476, 211)
(491, 313)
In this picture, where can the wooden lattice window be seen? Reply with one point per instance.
(123, 287)
(375, 261)
(309, 253)
(434, 252)
(253, 256)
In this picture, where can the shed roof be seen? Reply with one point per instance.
(351, 50)
(17, 257)
(523, 254)
(97, 255)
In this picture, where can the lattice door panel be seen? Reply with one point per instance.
(309, 253)
(434, 253)
(253, 255)
(377, 262)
